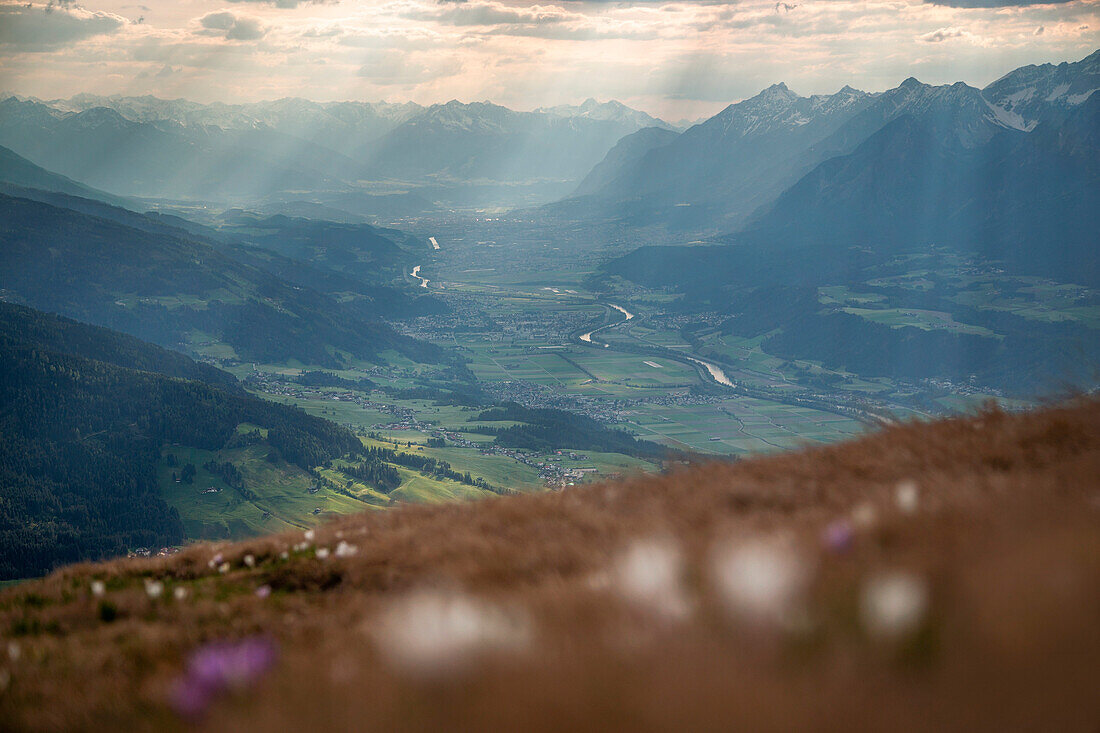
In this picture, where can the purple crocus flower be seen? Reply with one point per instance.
(838, 536)
(218, 667)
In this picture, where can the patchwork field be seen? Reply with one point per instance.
(741, 425)
(496, 470)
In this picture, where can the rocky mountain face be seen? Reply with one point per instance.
(720, 170)
(1033, 94)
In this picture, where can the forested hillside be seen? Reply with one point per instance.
(547, 429)
(26, 327)
(82, 438)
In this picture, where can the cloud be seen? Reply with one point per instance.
(533, 21)
(230, 26)
(942, 34)
(288, 3)
(30, 27)
(996, 3)
(467, 13)
(392, 67)
(678, 58)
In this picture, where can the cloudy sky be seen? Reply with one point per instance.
(675, 58)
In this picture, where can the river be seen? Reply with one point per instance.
(423, 280)
(587, 337)
(715, 371)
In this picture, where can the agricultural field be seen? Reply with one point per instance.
(344, 413)
(753, 366)
(926, 320)
(540, 363)
(496, 470)
(740, 425)
(1035, 299)
(283, 499)
(419, 489)
(635, 370)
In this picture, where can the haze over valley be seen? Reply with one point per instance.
(793, 270)
(377, 389)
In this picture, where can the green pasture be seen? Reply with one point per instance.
(283, 499)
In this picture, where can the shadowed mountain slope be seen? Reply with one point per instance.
(18, 172)
(161, 284)
(25, 327)
(1030, 200)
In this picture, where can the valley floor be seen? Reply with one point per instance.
(929, 576)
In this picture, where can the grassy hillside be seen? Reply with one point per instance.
(930, 576)
(280, 495)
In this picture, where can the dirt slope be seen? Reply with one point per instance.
(935, 576)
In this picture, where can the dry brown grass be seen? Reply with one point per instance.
(1005, 541)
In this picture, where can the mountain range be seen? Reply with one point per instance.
(718, 175)
(727, 165)
(149, 147)
(926, 202)
(1028, 200)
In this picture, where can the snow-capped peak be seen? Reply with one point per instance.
(610, 111)
(1046, 91)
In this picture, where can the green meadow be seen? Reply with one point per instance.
(283, 499)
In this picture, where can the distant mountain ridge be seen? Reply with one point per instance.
(613, 111)
(181, 149)
(292, 113)
(717, 174)
(482, 140)
(712, 178)
(103, 149)
(726, 166)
